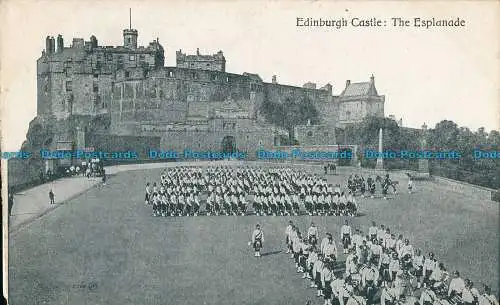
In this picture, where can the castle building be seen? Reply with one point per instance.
(124, 97)
(359, 100)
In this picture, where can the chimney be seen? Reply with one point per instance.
(52, 45)
(93, 42)
(47, 45)
(347, 83)
(274, 81)
(60, 43)
(198, 51)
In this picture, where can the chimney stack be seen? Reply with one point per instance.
(347, 83)
(274, 81)
(93, 42)
(60, 43)
(47, 45)
(52, 45)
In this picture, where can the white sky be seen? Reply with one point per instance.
(426, 75)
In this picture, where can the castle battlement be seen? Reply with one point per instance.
(215, 62)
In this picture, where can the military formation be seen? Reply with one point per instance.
(380, 267)
(276, 191)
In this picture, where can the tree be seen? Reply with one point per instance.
(290, 113)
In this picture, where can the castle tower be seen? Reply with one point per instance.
(130, 35)
(130, 38)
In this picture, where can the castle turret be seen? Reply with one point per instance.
(130, 38)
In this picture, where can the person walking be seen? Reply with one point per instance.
(11, 202)
(51, 197)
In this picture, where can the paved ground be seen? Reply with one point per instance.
(103, 247)
(34, 203)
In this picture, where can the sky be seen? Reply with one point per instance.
(426, 75)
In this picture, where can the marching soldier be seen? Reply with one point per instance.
(456, 286)
(148, 194)
(418, 265)
(430, 264)
(389, 295)
(369, 281)
(487, 298)
(326, 279)
(356, 298)
(257, 240)
(288, 232)
(313, 257)
(375, 253)
(372, 231)
(346, 233)
(312, 234)
(330, 250)
(406, 254)
(317, 268)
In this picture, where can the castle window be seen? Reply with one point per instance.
(348, 114)
(103, 105)
(119, 64)
(309, 133)
(109, 57)
(96, 75)
(208, 65)
(132, 58)
(95, 88)
(227, 79)
(69, 86)
(127, 74)
(170, 74)
(129, 40)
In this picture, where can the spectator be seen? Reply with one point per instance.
(11, 202)
(51, 197)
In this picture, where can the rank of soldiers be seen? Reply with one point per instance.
(378, 268)
(184, 191)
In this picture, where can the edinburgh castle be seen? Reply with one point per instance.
(124, 97)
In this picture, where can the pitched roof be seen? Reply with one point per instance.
(360, 89)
